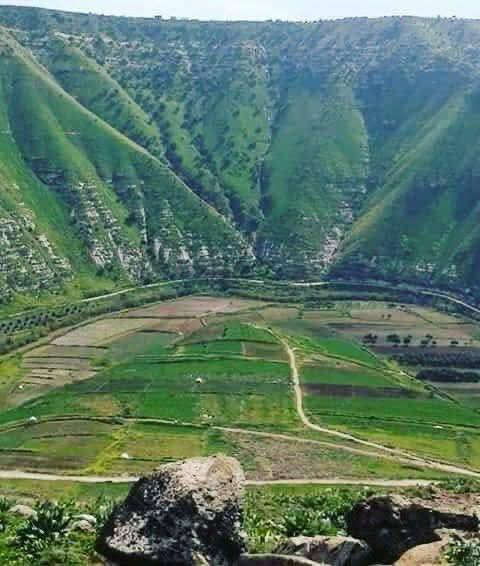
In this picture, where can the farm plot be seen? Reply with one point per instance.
(274, 313)
(144, 446)
(104, 331)
(53, 366)
(202, 361)
(280, 459)
(348, 375)
(143, 342)
(428, 426)
(194, 307)
(458, 444)
(266, 351)
(381, 334)
(467, 393)
(94, 447)
(75, 355)
(60, 445)
(214, 347)
(233, 338)
(384, 324)
(232, 392)
(382, 405)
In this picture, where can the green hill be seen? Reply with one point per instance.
(82, 197)
(135, 149)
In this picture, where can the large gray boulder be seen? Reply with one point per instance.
(334, 550)
(186, 513)
(392, 525)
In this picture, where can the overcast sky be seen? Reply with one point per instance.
(265, 9)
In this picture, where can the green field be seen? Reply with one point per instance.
(162, 389)
(331, 374)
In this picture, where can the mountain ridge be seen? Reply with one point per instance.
(339, 148)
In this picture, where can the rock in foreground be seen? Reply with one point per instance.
(186, 513)
(275, 560)
(392, 525)
(335, 551)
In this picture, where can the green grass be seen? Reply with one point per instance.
(434, 411)
(215, 347)
(248, 333)
(232, 392)
(140, 343)
(430, 427)
(342, 348)
(338, 376)
(10, 373)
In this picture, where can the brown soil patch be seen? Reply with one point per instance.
(196, 306)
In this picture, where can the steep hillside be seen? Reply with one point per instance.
(171, 148)
(103, 202)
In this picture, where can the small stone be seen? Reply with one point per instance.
(22, 511)
(334, 550)
(86, 517)
(82, 525)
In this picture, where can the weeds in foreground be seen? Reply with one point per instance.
(464, 553)
(49, 524)
(271, 517)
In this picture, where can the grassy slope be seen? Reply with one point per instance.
(236, 130)
(317, 159)
(21, 189)
(82, 147)
(333, 106)
(430, 194)
(95, 89)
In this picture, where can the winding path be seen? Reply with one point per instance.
(399, 455)
(366, 448)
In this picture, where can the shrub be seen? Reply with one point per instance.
(5, 505)
(49, 524)
(101, 509)
(460, 485)
(464, 553)
(270, 517)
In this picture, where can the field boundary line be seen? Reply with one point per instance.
(397, 454)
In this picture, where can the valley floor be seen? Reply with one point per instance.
(290, 389)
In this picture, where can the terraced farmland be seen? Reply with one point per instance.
(124, 393)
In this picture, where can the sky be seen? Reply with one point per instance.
(264, 9)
